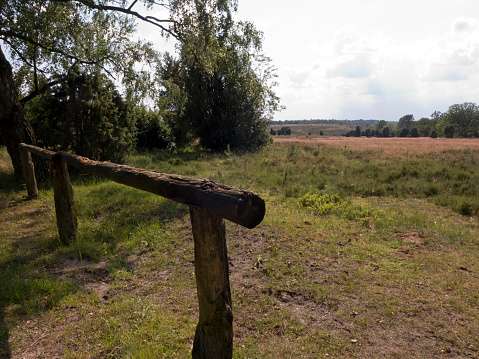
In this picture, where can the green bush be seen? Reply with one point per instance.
(85, 115)
(152, 132)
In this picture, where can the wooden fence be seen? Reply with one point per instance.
(209, 203)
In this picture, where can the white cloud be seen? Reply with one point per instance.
(462, 24)
(370, 59)
(440, 73)
(358, 67)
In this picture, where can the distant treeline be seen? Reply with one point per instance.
(360, 122)
(461, 120)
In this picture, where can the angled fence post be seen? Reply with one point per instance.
(64, 196)
(29, 173)
(214, 332)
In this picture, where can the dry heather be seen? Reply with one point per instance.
(393, 145)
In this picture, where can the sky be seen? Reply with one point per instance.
(369, 59)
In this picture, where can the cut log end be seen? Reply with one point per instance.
(251, 210)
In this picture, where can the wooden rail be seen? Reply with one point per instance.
(210, 203)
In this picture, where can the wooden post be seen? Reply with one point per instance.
(214, 332)
(210, 204)
(29, 173)
(64, 196)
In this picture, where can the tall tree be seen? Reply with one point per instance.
(227, 81)
(357, 132)
(464, 118)
(46, 38)
(425, 126)
(14, 126)
(380, 125)
(406, 122)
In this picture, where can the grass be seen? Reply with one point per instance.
(359, 256)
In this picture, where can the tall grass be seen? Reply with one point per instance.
(351, 246)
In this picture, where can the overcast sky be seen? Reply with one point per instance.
(370, 59)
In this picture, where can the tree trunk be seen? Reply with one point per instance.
(14, 126)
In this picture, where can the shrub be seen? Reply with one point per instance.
(285, 131)
(152, 132)
(465, 207)
(333, 204)
(385, 132)
(449, 131)
(321, 204)
(404, 132)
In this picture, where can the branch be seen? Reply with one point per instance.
(28, 39)
(41, 90)
(132, 4)
(19, 54)
(149, 19)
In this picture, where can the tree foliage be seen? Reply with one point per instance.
(152, 130)
(464, 118)
(449, 131)
(385, 131)
(84, 114)
(47, 39)
(227, 82)
(414, 132)
(406, 122)
(404, 132)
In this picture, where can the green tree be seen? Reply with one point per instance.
(449, 131)
(464, 117)
(385, 131)
(152, 130)
(285, 131)
(84, 114)
(380, 125)
(357, 132)
(405, 122)
(172, 99)
(227, 81)
(46, 39)
(404, 132)
(414, 132)
(425, 126)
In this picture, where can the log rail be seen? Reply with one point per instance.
(209, 202)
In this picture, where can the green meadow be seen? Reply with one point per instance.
(358, 256)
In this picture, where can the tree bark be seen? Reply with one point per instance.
(214, 332)
(14, 125)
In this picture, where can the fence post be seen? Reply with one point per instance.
(214, 332)
(29, 173)
(64, 196)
